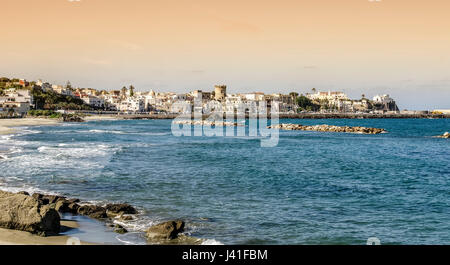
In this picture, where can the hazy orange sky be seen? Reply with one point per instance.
(399, 47)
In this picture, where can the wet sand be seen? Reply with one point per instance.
(15, 237)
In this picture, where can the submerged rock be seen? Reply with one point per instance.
(166, 230)
(120, 229)
(26, 213)
(126, 218)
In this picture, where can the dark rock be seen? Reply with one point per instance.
(120, 229)
(23, 193)
(73, 208)
(73, 200)
(65, 206)
(26, 213)
(37, 196)
(126, 217)
(40, 198)
(123, 208)
(53, 198)
(72, 118)
(166, 230)
(92, 211)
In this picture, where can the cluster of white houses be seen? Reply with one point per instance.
(129, 101)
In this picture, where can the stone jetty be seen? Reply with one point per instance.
(327, 128)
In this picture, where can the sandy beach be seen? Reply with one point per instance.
(15, 237)
(6, 125)
(100, 118)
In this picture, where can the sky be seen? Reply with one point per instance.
(396, 47)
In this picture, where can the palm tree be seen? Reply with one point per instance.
(294, 95)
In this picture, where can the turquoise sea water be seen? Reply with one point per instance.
(312, 188)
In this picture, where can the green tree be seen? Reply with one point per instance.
(131, 90)
(306, 104)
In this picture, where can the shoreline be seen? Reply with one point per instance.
(7, 126)
(17, 237)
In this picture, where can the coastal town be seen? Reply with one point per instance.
(19, 96)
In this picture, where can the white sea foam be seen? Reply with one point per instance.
(154, 133)
(211, 242)
(24, 187)
(107, 131)
(121, 238)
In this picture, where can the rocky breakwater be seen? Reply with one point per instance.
(26, 213)
(207, 123)
(328, 128)
(446, 135)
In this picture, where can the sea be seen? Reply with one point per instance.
(311, 188)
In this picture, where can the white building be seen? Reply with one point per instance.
(256, 96)
(383, 99)
(17, 107)
(93, 101)
(132, 104)
(20, 95)
(330, 96)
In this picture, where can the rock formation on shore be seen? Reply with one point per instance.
(72, 118)
(167, 230)
(26, 213)
(446, 135)
(38, 214)
(328, 128)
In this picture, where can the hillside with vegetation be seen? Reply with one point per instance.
(44, 100)
(49, 100)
